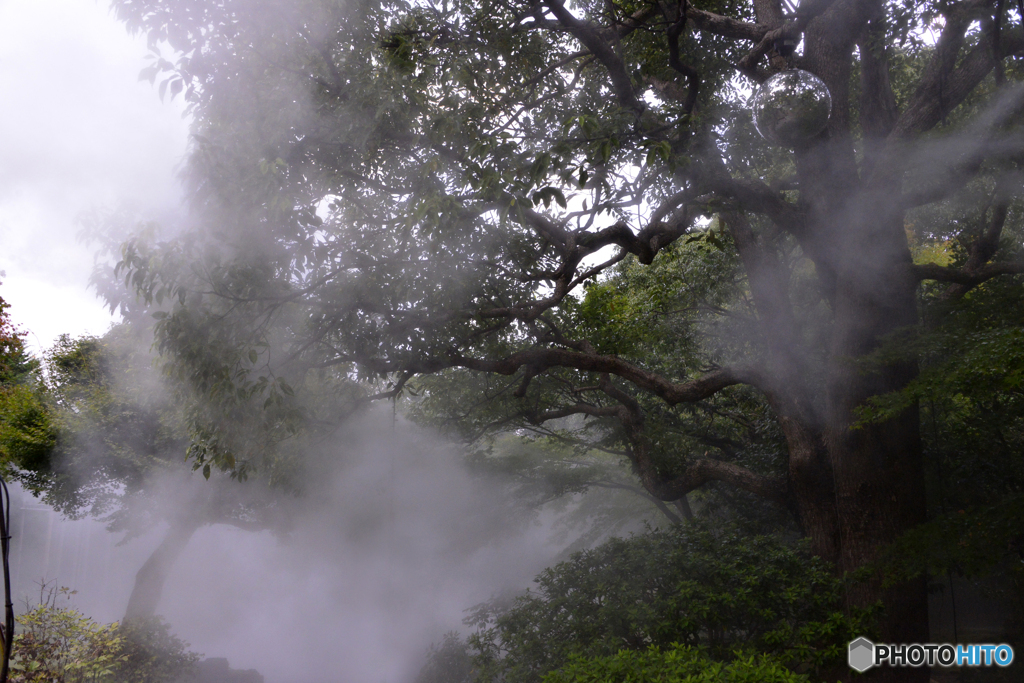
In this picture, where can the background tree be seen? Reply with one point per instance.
(117, 451)
(26, 431)
(397, 189)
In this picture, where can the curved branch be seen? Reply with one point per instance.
(945, 84)
(670, 392)
(707, 470)
(691, 74)
(727, 27)
(758, 197)
(622, 84)
(645, 245)
(541, 359)
(960, 276)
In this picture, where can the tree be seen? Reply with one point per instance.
(116, 450)
(16, 363)
(402, 189)
(26, 432)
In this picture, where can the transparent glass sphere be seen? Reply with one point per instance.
(792, 107)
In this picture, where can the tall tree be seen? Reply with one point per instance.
(115, 449)
(401, 189)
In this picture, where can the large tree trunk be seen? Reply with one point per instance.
(150, 579)
(873, 473)
(859, 488)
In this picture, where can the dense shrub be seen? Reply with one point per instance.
(677, 664)
(60, 645)
(722, 591)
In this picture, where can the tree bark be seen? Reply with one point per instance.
(873, 472)
(150, 579)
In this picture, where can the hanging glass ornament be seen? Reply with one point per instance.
(792, 107)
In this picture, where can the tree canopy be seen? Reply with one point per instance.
(548, 210)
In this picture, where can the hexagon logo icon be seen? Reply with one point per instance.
(861, 655)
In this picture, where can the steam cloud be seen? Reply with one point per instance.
(386, 550)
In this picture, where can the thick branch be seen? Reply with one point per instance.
(933, 271)
(942, 87)
(692, 76)
(878, 111)
(671, 392)
(987, 243)
(622, 84)
(726, 27)
(645, 245)
(541, 359)
(756, 197)
(706, 470)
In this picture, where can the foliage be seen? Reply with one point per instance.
(106, 431)
(972, 542)
(91, 437)
(678, 312)
(152, 654)
(58, 644)
(522, 211)
(676, 664)
(16, 364)
(28, 433)
(969, 390)
(721, 591)
(449, 662)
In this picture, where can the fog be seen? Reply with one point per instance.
(384, 553)
(302, 252)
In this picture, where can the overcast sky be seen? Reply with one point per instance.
(77, 131)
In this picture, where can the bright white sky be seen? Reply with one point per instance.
(77, 131)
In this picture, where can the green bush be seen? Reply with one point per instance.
(60, 645)
(676, 664)
(721, 591)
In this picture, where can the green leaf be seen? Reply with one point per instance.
(546, 194)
